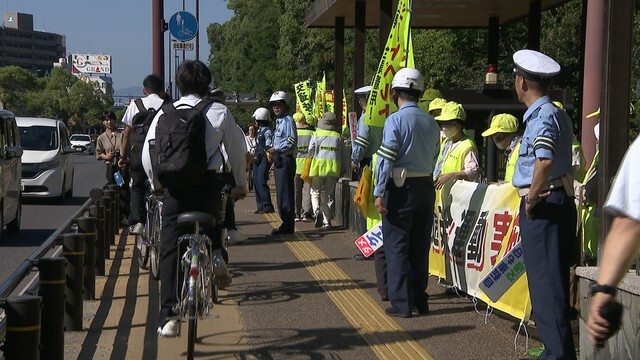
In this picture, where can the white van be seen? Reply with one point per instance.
(10, 169)
(47, 164)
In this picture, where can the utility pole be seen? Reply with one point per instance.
(157, 31)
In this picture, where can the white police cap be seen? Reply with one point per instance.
(363, 90)
(534, 64)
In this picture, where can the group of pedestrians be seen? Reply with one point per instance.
(421, 151)
(415, 153)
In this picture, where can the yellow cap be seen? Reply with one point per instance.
(594, 114)
(502, 123)
(559, 105)
(431, 94)
(436, 104)
(299, 118)
(451, 111)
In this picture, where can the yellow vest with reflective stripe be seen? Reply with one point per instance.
(326, 157)
(454, 160)
(511, 163)
(304, 137)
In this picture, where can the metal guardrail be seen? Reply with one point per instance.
(26, 268)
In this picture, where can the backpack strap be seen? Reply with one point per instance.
(140, 105)
(203, 104)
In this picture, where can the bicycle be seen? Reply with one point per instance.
(198, 284)
(148, 242)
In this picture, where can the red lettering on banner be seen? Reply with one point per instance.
(394, 53)
(515, 234)
(384, 111)
(501, 222)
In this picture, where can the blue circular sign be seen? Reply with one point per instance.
(183, 26)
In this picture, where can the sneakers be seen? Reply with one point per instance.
(136, 229)
(326, 226)
(170, 328)
(307, 217)
(221, 276)
(298, 218)
(235, 236)
(318, 221)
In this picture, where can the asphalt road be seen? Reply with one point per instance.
(40, 218)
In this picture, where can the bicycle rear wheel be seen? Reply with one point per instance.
(193, 330)
(141, 252)
(154, 234)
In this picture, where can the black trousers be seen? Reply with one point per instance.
(138, 211)
(546, 248)
(406, 231)
(205, 198)
(285, 189)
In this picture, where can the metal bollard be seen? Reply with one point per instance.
(114, 212)
(73, 251)
(87, 226)
(51, 289)
(100, 251)
(23, 327)
(108, 227)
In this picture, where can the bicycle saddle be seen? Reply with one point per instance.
(193, 217)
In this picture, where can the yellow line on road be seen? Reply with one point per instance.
(387, 339)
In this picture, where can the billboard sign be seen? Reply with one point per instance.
(91, 63)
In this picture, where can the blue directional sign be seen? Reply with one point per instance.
(183, 26)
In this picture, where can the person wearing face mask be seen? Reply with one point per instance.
(504, 132)
(434, 109)
(458, 158)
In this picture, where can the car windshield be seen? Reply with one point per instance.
(80, 138)
(41, 138)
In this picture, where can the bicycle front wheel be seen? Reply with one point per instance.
(193, 330)
(142, 252)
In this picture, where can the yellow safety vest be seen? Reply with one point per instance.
(511, 163)
(304, 137)
(454, 160)
(326, 157)
(373, 216)
(575, 145)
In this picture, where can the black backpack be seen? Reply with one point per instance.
(179, 152)
(139, 127)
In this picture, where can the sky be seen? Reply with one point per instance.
(121, 28)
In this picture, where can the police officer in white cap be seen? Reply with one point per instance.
(285, 140)
(405, 194)
(547, 211)
(368, 138)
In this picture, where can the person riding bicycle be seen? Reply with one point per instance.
(193, 79)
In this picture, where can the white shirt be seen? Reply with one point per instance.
(624, 195)
(149, 101)
(221, 129)
(251, 144)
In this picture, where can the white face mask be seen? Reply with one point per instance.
(449, 132)
(500, 146)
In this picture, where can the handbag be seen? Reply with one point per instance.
(305, 171)
(363, 192)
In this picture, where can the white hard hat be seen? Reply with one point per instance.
(261, 114)
(408, 78)
(365, 90)
(279, 96)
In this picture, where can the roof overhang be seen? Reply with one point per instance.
(426, 13)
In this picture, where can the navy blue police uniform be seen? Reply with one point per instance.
(261, 171)
(285, 140)
(410, 140)
(547, 237)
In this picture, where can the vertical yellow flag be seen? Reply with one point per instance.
(344, 111)
(398, 53)
(320, 102)
(303, 98)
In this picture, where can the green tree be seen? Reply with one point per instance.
(15, 85)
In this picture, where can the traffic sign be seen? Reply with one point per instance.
(188, 46)
(183, 26)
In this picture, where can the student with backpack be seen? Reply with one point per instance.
(185, 160)
(137, 120)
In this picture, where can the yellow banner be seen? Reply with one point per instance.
(344, 111)
(319, 99)
(328, 101)
(398, 54)
(475, 225)
(303, 98)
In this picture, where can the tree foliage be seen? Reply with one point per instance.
(60, 96)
